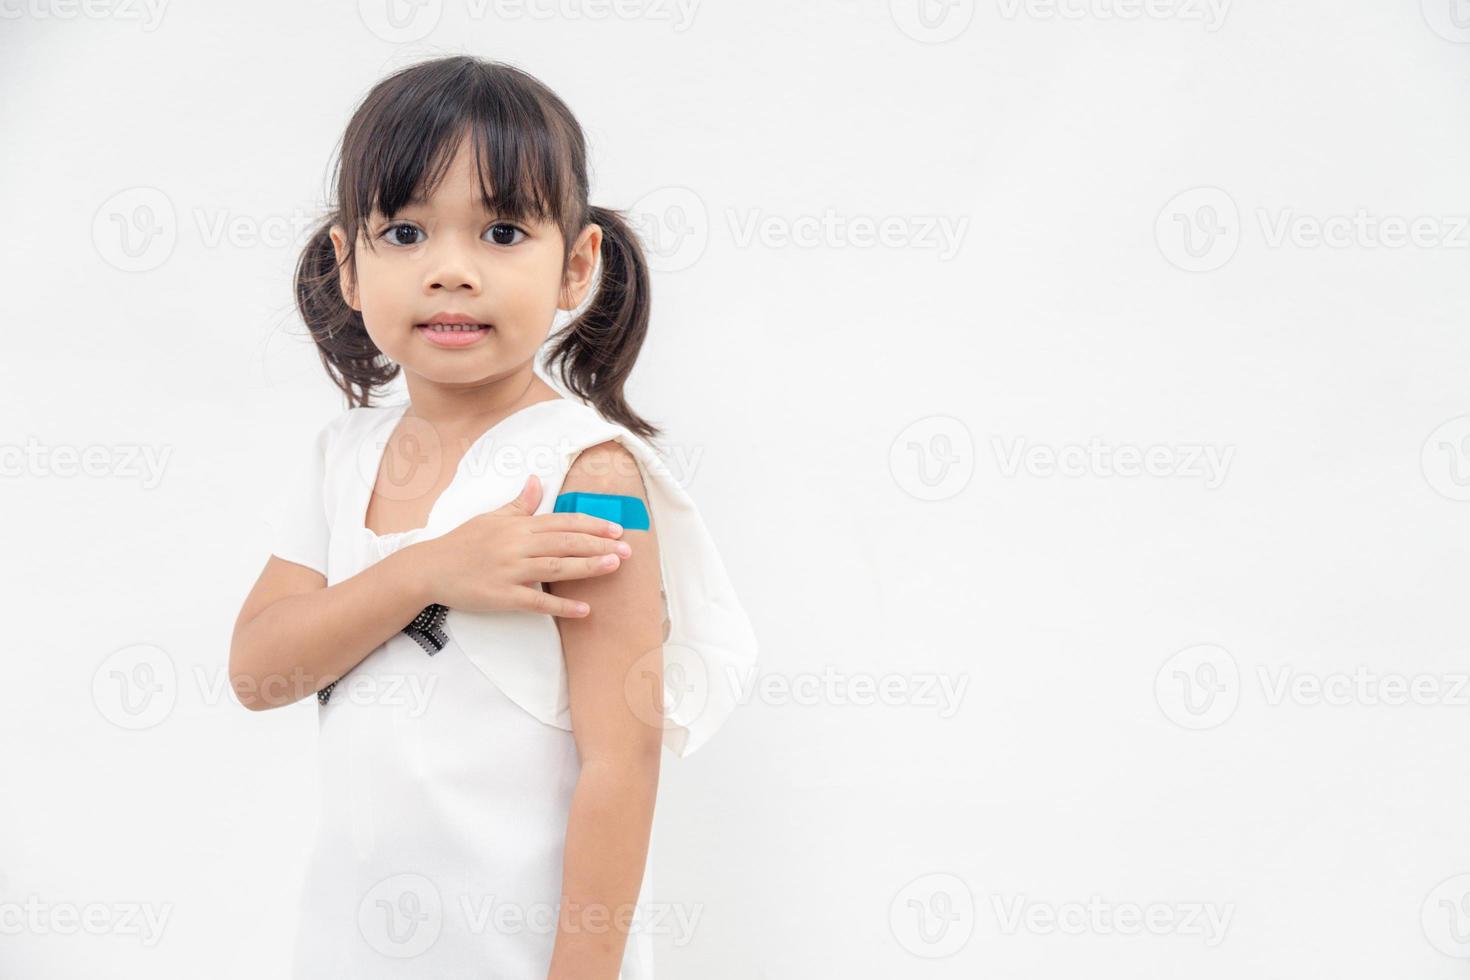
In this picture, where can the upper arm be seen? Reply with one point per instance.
(614, 655)
(280, 578)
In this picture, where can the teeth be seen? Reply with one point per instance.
(442, 327)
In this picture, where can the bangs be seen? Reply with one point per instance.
(403, 144)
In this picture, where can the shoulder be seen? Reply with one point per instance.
(338, 433)
(607, 467)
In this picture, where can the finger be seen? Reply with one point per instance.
(571, 521)
(570, 544)
(557, 569)
(526, 501)
(534, 600)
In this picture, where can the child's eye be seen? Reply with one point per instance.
(501, 231)
(400, 233)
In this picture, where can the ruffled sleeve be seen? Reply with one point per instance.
(709, 650)
(298, 528)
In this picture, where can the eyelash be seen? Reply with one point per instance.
(383, 235)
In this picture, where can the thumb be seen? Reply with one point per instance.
(529, 499)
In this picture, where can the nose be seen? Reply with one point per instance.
(451, 269)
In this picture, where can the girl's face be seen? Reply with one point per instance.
(448, 255)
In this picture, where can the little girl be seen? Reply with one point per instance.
(498, 597)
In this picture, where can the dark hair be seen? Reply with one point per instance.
(526, 140)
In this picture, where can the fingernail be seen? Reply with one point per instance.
(583, 608)
(623, 549)
(614, 529)
(609, 560)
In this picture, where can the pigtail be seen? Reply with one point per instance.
(352, 360)
(596, 351)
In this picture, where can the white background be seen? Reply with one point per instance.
(1122, 737)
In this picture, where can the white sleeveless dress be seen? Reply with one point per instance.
(447, 778)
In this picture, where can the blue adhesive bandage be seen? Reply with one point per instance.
(627, 511)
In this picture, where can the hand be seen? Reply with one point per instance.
(494, 561)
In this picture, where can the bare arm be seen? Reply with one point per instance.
(612, 807)
(295, 635)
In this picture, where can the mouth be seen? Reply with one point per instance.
(453, 332)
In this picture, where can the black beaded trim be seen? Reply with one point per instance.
(427, 630)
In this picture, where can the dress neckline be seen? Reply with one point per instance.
(378, 456)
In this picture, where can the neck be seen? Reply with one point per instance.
(474, 407)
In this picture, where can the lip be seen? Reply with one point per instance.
(453, 339)
(448, 318)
